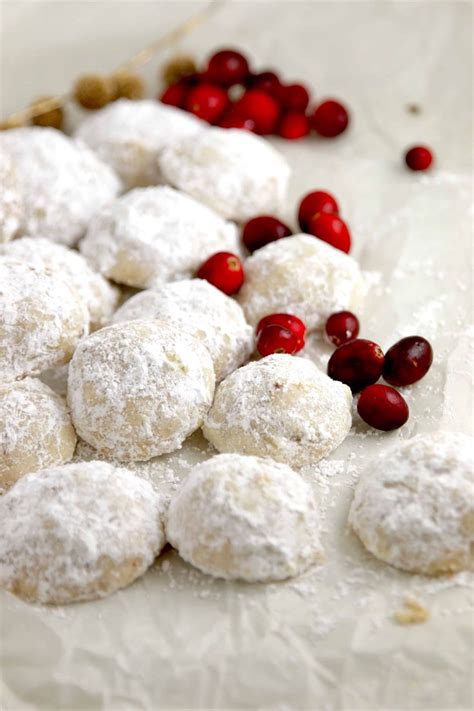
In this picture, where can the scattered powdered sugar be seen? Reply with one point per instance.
(61, 182)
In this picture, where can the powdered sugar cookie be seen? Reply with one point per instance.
(77, 532)
(130, 135)
(236, 173)
(245, 518)
(61, 182)
(154, 235)
(138, 389)
(99, 296)
(414, 505)
(197, 307)
(282, 407)
(42, 317)
(301, 275)
(10, 200)
(35, 430)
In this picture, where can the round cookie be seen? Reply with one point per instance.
(61, 182)
(281, 407)
(10, 200)
(413, 506)
(130, 135)
(301, 275)
(77, 532)
(138, 389)
(245, 518)
(99, 296)
(35, 430)
(42, 317)
(234, 172)
(154, 235)
(197, 307)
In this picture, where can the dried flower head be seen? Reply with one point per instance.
(178, 68)
(52, 118)
(93, 91)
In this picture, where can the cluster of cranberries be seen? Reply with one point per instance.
(230, 95)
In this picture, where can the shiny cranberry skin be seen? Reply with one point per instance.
(330, 119)
(227, 67)
(262, 230)
(288, 321)
(341, 327)
(316, 201)
(382, 407)
(207, 101)
(223, 270)
(295, 97)
(331, 229)
(176, 95)
(419, 158)
(261, 108)
(357, 364)
(268, 82)
(407, 361)
(276, 339)
(293, 125)
(232, 119)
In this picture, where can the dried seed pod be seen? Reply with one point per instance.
(93, 91)
(177, 68)
(52, 118)
(128, 86)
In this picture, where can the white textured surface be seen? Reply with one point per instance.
(154, 235)
(245, 518)
(328, 639)
(10, 199)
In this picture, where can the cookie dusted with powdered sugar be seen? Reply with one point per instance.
(414, 505)
(99, 296)
(245, 518)
(77, 532)
(197, 307)
(234, 172)
(61, 182)
(155, 235)
(10, 200)
(303, 276)
(42, 318)
(130, 135)
(138, 389)
(281, 407)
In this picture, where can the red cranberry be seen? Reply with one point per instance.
(330, 119)
(382, 407)
(232, 119)
(288, 321)
(331, 229)
(223, 270)
(268, 82)
(407, 361)
(357, 364)
(295, 97)
(175, 95)
(316, 201)
(260, 107)
(275, 339)
(341, 327)
(419, 158)
(207, 101)
(293, 125)
(262, 230)
(227, 67)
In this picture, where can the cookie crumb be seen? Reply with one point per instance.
(413, 108)
(414, 613)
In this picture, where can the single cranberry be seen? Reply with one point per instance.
(330, 118)
(223, 270)
(357, 364)
(262, 230)
(227, 67)
(419, 158)
(295, 97)
(232, 119)
(293, 125)
(382, 407)
(261, 108)
(276, 339)
(407, 361)
(268, 82)
(316, 201)
(288, 321)
(331, 229)
(207, 101)
(176, 94)
(341, 327)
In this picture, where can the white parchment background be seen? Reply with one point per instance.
(178, 639)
